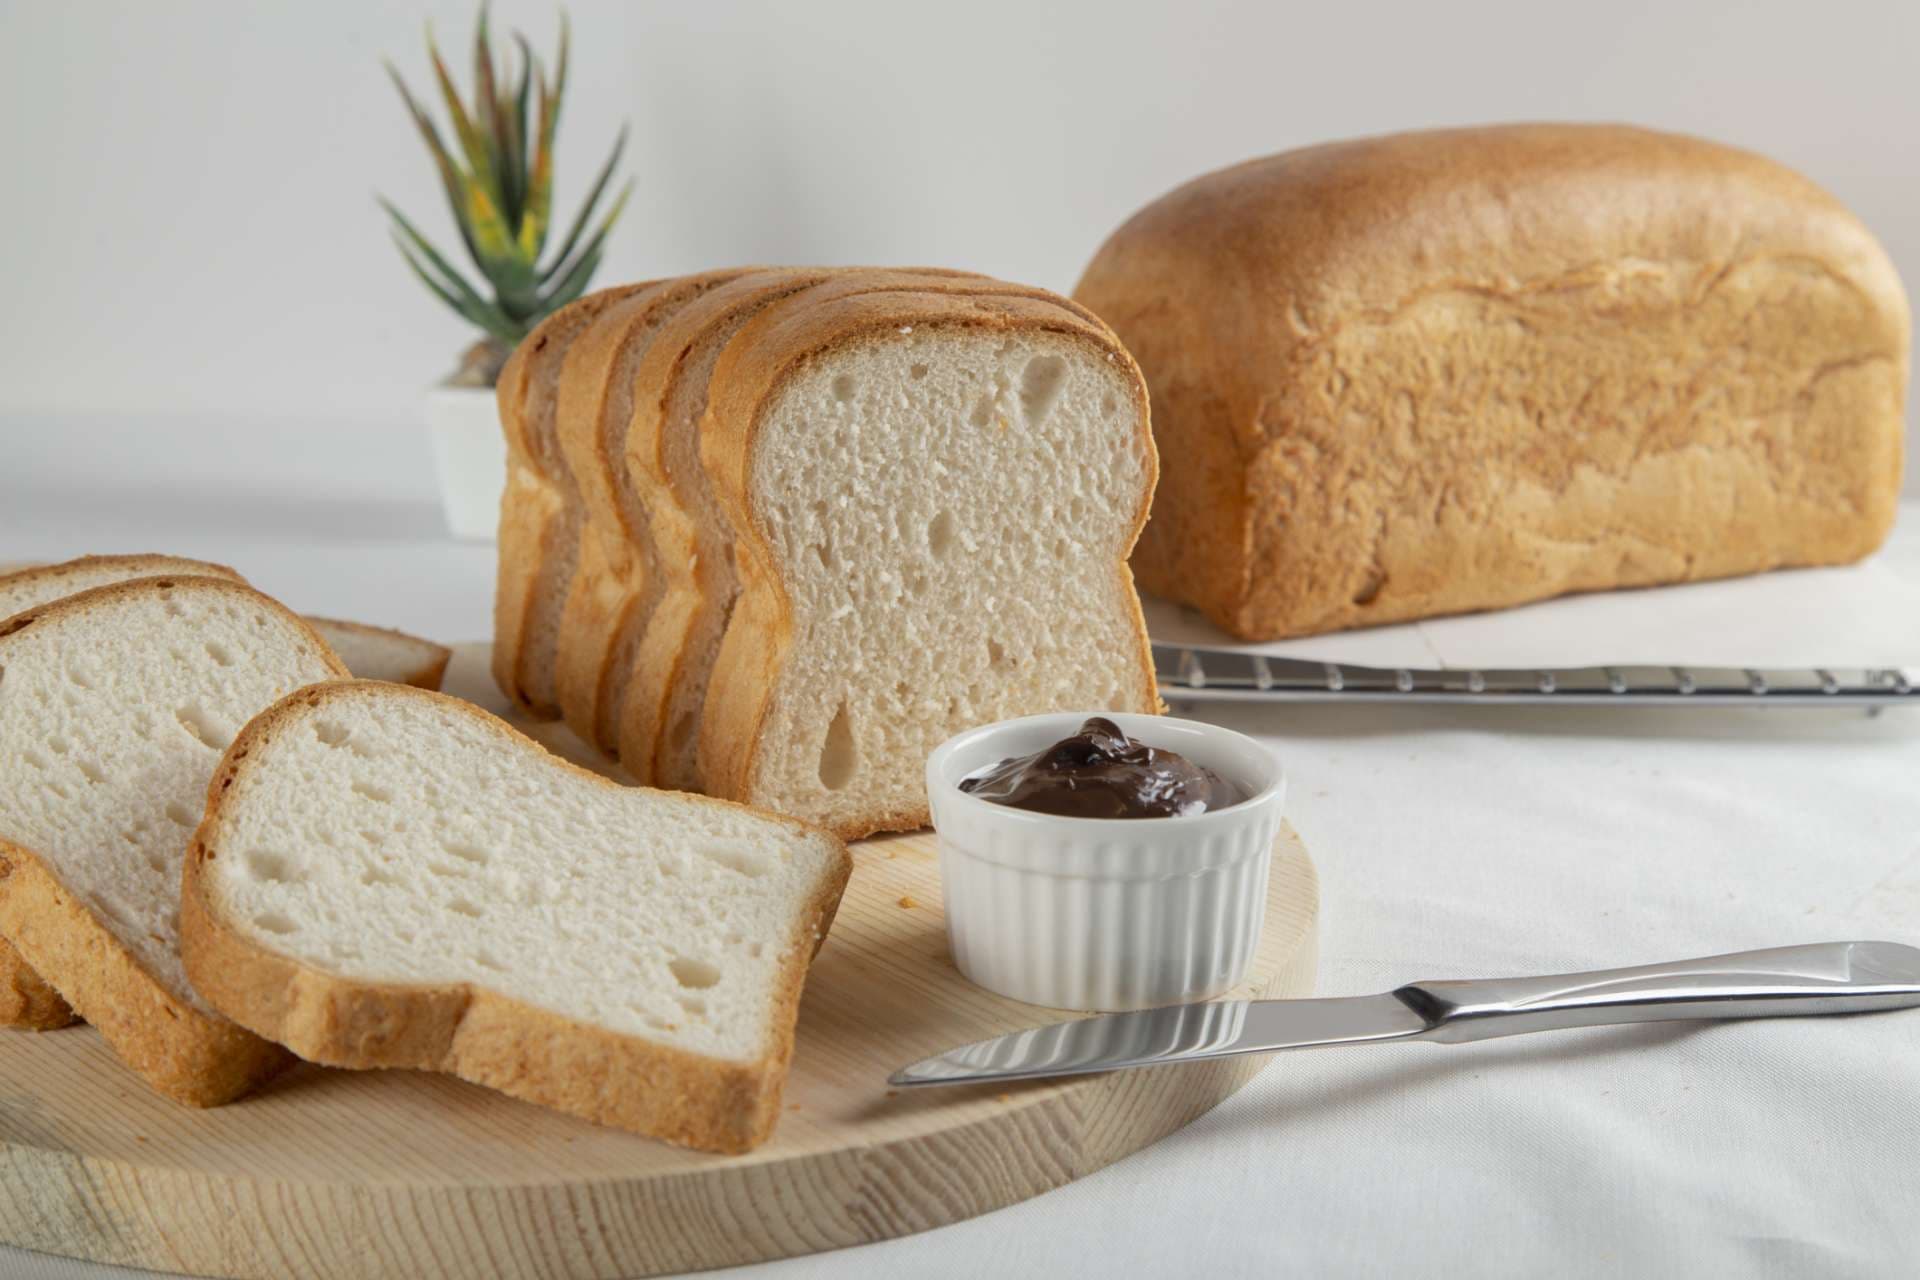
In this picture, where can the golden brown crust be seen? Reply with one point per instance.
(767, 352)
(427, 675)
(1456, 370)
(532, 510)
(472, 1032)
(612, 582)
(183, 1052)
(27, 1003)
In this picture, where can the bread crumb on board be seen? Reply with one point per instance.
(906, 900)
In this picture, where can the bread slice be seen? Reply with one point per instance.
(114, 707)
(615, 577)
(393, 878)
(27, 1002)
(31, 585)
(933, 498)
(379, 653)
(540, 512)
(659, 722)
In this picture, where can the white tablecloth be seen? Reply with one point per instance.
(1451, 843)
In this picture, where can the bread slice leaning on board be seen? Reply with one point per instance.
(374, 653)
(1436, 372)
(933, 498)
(115, 705)
(649, 980)
(938, 539)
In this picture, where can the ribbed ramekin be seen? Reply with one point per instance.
(1105, 913)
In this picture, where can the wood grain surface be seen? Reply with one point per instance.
(402, 1174)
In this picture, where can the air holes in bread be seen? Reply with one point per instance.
(377, 794)
(219, 654)
(462, 907)
(467, 852)
(181, 816)
(487, 960)
(90, 771)
(917, 372)
(203, 727)
(940, 533)
(1109, 406)
(839, 757)
(276, 922)
(328, 732)
(982, 412)
(272, 867)
(996, 656)
(693, 1005)
(843, 388)
(1040, 386)
(742, 858)
(80, 676)
(696, 975)
(374, 875)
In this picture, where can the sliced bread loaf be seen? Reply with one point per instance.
(379, 653)
(540, 513)
(933, 498)
(393, 878)
(659, 723)
(615, 576)
(114, 707)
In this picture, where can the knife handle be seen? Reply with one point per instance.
(1779, 982)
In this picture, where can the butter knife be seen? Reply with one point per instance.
(1780, 982)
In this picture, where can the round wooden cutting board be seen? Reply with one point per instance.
(403, 1174)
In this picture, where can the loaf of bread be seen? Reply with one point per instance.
(1449, 371)
(828, 518)
(393, 878)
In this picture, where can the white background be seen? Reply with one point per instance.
(189, 226)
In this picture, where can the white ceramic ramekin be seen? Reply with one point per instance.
(1105, 913)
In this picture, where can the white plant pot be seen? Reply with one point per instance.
(470, 453)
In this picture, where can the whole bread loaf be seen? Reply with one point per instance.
(1439, 372)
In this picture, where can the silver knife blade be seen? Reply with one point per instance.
(1178, 1033)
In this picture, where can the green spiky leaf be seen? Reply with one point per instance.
(585, 215)
(589, 256)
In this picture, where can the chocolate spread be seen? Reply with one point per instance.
(1101, 773)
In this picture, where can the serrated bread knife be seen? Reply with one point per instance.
(1781, 982)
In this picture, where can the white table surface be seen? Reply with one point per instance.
(1451, 843)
